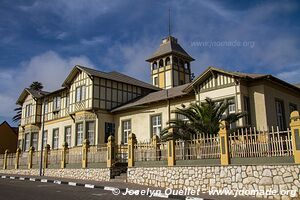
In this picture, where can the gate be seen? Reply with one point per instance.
(121, 155)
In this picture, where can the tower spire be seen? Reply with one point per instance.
(169, 21)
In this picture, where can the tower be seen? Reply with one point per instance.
(170, 64)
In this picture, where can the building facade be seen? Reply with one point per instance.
(94, 105)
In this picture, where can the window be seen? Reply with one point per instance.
(168, 61)
(161, 63)
(55, 138)
(67, 101)
(80, 93)
(35, 141)
(292, 107)
(28, 110)
(231, 107)
(68, 135)
(154, 65)
(56, 103)
(109, 130)
(126, 130)
(155, 81)
(45, 137)
(27, 142)
(46, 107)
(79, 134)
(247, 110)
(90, 132)
(280, 114)
(156, 124)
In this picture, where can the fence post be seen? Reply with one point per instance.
(30, 156)
(223, 134)
(295, 127)
(110, 151)
(85, 149)
(46, 151)
(131, 144)
(155, 146)
(171, 148)
(5, 159)
(63, 155)
(18, 152)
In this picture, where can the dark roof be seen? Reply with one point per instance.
(169, 45)
(116, 76)
(247, 76)
(154, 97)
(14, 129)
(35, 93)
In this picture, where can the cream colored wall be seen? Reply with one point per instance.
(60, 124)
(103, 117)
(273, 92)
(140, 118)
(32, 118)
(258, 106)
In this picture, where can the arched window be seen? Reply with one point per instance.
(181, 63)
(154, 65)
(186, 65)
(168, 61)
(161, 63)
(175, 61)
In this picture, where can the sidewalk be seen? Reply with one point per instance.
(117, 187)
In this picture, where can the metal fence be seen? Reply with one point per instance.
(54, 157)
(1, 160)
(36, 159)
(251, 142)
(74, 155)
(97, 154)
(11, 157)
(23, 160)
(121, 152)
(147, 151)
(200, 147)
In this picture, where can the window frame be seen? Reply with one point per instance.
(82, 93)
(65, 135)
(156, 126)
(54, 137)
(282, 124)
(76, 134)
(125, 132)
(87, 133)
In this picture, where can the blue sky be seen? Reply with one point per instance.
(43, 40)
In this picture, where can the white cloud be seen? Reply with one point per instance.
(48, 68)
(93, 41)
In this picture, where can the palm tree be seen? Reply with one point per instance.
(18, 115)
(36, 86)
(199, 118)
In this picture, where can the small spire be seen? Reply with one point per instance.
(169, 21)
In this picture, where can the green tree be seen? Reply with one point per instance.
(36, 86)
(199, 118)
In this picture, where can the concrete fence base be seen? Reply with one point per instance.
(283, 179)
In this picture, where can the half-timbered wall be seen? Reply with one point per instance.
(109, 94)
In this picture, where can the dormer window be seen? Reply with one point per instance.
(56, 103)
(28, 110)
(80, 93)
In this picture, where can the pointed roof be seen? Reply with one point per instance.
(246, 76)
(116, 76)
(169, 45)
(35, 93)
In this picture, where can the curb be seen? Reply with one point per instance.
(114, 190)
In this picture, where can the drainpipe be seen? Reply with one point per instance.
(42, 142)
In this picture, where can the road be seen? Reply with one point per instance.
(26, 190)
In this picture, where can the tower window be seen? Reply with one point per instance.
(168, 62)
(154, 65)
(181, 64)
(161, 63)
(175, 61)
(186, 65)
(155, 81)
